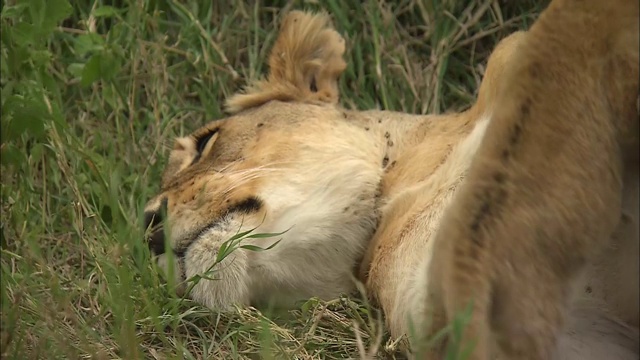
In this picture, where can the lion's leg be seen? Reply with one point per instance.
(523, 329)
(543, 193)
(519, 307)
(476, 334)
(453, 276)
(466, 277)
(433, 348)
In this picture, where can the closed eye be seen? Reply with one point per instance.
(202, 141)
(201, 144)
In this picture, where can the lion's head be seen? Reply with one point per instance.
(285, 160)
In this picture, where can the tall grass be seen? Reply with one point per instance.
(92, 94)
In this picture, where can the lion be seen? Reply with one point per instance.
(544, 193)
(392, 199)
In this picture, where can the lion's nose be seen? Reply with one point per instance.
(153, 223)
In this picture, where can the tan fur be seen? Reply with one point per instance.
(544, 192)
(398, 195)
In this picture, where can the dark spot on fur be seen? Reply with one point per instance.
(345, 209)
(390, 143)
(625, 219)
(179, 253)
(314, 86)
(385, 161)
(344, 115)
(475, 226)
(482, 213)
(499, 177)
(525, 108)
(588, 290)
(249, 205)
(515, 134)
(379, 121)
(387, 135)
(260, 124)
(491, 200)
(366, 128)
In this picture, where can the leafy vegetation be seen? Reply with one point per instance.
(93, 91)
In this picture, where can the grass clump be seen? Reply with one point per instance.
(92, 94)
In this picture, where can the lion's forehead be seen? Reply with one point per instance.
(274, 122)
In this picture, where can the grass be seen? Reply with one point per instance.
(92, 95)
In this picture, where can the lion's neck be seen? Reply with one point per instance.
(428, 159)
(415, 145)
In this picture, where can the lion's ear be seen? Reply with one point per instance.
(304, 65)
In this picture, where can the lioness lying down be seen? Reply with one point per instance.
(524, 207)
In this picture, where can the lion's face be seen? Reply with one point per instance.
(277, 167)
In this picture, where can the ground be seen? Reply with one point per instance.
(92, 96)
